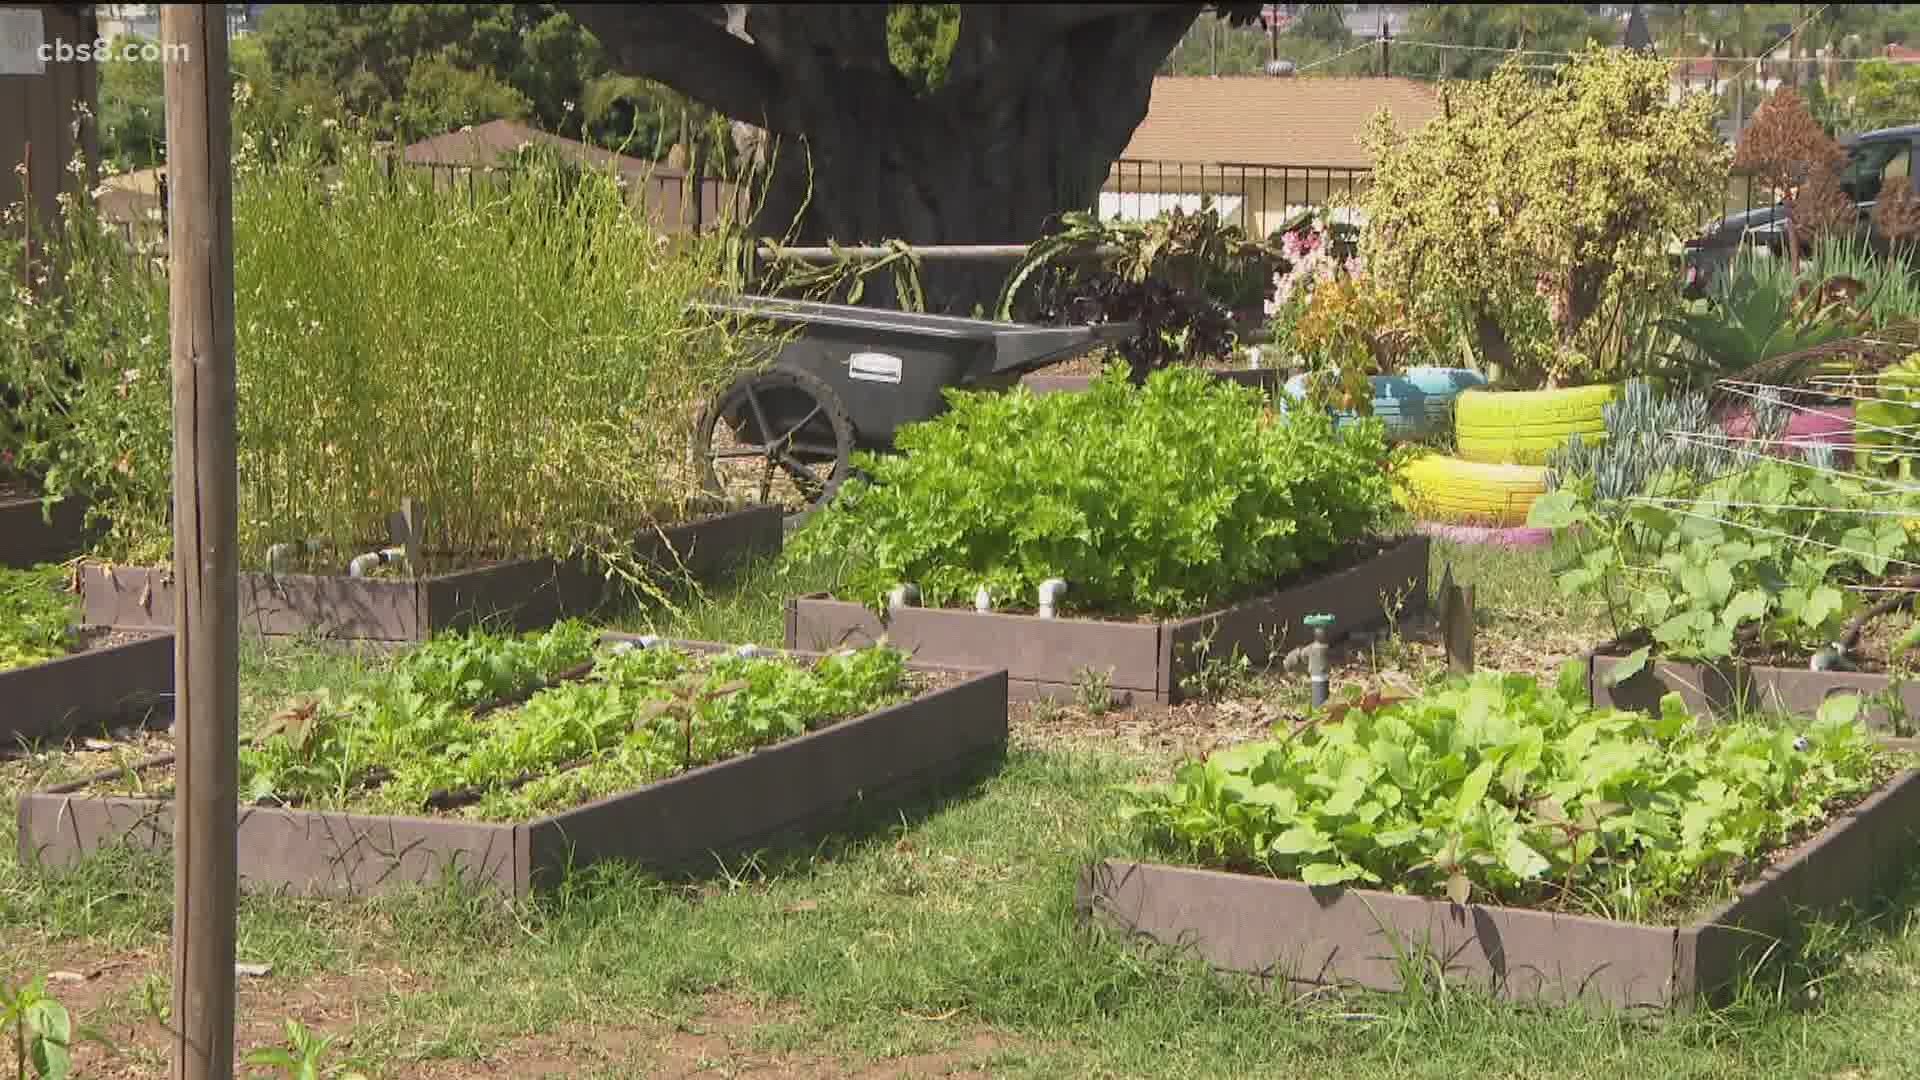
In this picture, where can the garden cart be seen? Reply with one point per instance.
(846, 378)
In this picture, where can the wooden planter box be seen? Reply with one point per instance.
(1146, 659)
(1735, 686)
(27, 537)
(522, 594)
(680, 821)
(1267, 379)
(99, 686)
(1321, 936)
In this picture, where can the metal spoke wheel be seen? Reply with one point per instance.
(779, 436)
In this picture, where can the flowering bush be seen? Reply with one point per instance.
(1540, 212)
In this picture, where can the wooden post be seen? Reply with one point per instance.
(1456, 624)
(206, 566)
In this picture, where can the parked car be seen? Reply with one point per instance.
(1872, 159)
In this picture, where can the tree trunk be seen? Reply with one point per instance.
(1039, 101)
(867, 174)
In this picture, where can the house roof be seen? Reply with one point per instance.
(487, 144)
(1263, 120)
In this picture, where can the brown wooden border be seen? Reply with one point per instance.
(1148, 660)
(98, 686)
(877, 758)
(1329, 936)
(1733, 686)
(522, 594)
(28, 537)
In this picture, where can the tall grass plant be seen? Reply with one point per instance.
(521, 356)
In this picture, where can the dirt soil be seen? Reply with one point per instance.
(105, 992)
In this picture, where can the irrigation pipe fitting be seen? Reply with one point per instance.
(1050, 591)
(903, 596)
(363, 563)
(278, 554)
(1318, 670)
(982, 600)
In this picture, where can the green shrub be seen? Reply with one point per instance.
(35, 613)
(1173, 497)
(1520, 794)
(1540, 210)
(519, 355)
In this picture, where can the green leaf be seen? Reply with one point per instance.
(1747, 605)
(1473, 791)
(1823, 603)
(1555, 510)
(1330, 873)
(1301, 840)
(1840, 709)
(1627, 666)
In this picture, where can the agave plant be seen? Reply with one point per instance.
(1754, 318)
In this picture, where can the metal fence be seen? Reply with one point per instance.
(1263, 198)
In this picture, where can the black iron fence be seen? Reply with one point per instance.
(1263, 198)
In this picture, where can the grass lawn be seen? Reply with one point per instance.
(934, 940)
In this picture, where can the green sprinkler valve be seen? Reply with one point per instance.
(1317, 653)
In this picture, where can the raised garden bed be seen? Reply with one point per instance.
(956, 718)
(1515, 836)
(1143, 660)
(28, 537)
(113, 681)
(521, 593)
(1737, 686)
(1309, 936)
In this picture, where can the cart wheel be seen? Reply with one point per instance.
(799, 465)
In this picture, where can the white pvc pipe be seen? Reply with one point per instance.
(363, 563)
(903, 596)
(1050, 591)
(982, 600)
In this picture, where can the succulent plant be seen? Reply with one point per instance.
(1647, 433)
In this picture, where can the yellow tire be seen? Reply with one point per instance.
(1520, 427)
(1455, 492)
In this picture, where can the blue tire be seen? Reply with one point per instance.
(1413, 404)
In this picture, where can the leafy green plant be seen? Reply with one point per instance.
(1168, 498)
(405, 745)
(40, 1029)
(520, 355)
(302, 1057)
(1174, 275)
(36, 615)
(1758, 559)
(1887, 420)
(1499, 788)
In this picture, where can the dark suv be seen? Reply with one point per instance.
(1872, 160)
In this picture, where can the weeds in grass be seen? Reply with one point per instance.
(303, 1057)
(1093, 689)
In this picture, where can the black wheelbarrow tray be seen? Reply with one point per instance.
(845, 378)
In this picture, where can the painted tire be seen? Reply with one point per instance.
(1520, 427)
(1519, 538)
(1451, 491)
(1830, 425)
(1413, 404)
